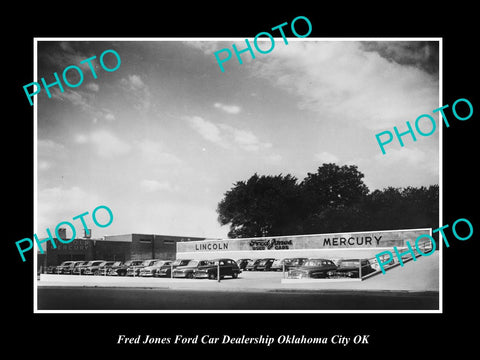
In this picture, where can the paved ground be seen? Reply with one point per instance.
(82, 298)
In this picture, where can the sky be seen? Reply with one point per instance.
(161, 139)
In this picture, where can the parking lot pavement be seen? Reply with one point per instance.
(420, 275)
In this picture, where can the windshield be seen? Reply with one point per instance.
(181, 262)
(316, 262)
(97, 263)
(349, 263)
(299, 261)
(193, 263)
(148, 262)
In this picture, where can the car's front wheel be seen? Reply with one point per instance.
(235, 275)
(211, 276)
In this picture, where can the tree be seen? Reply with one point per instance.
(334, 199)
(402, 208)
(261, 206)
(329, 198)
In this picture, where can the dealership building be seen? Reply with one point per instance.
(151, 246)
(330, 246)
(112, 247)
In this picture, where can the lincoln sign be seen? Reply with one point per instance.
(367, 243)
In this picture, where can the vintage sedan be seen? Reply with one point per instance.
(350, 268)
(242, 263)
(166, 270)
(134, 270)
(312, 268)
(151, 271)
(105, 268)
(69, 269)
(226, 267)
(122, 269)
(94, 269)
(188, 271)
(252, 265)
(63, 267)
(265, 264)
(80, 269)
(278, 264)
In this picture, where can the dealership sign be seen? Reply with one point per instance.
(270, 244)
(357, 240)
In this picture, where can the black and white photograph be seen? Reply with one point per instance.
(257, 183)
(266, 179)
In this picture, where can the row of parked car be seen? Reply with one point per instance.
(181, 268)
(190, 268)
(310, 268)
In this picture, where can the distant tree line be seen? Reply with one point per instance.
(334, 199)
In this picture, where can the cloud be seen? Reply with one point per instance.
(154, 186)
(109, 116)
(208, 130)
(75, 97)
(138, 91)
(227, 136)
(344, 82)
(326, 157)
(133, 82)
(273, 159)
(106, 143)
(154, 153)
(245, 139)
(67, 53)
(208, 47)
(49, 153)
(230, 109)
(409, 155)
(93, 87)
(422, 54)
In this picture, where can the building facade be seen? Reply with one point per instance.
(330, 246)
(114, 247)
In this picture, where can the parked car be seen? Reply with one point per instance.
(252, 265)
(80, 269)
(134, 270)
(312, 268)
(265, 264)
(350, 268)
(228, 267)
(94, 269)
(383, 258)
(166, 270)
(105, 268)
(68, 269)
(151, 270)
(188, 271)
(242, 263)
(63, 267)
(122, 269)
